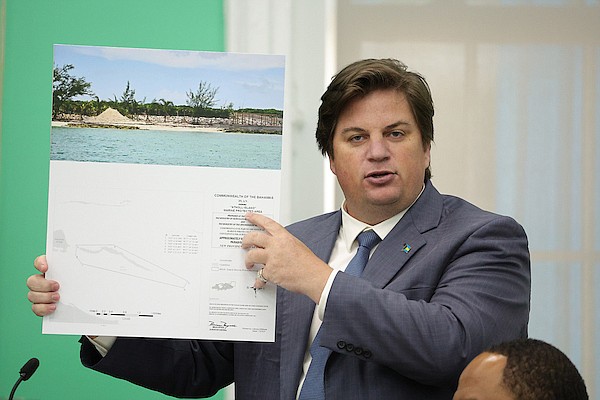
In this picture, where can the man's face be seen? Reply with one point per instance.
(378, 156)
(482, 379)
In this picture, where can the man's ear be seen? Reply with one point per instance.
(332, 165)
(427, 155)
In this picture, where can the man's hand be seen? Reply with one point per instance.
(287, 261)
(43, 293)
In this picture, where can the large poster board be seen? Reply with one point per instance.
(147, 197)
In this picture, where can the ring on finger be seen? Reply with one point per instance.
(260, 277)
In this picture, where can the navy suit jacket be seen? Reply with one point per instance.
(405, 329)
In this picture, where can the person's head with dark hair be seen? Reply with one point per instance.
(522, 369)
(376, 126)
(362, 78)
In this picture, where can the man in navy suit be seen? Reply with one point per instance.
(446, 281)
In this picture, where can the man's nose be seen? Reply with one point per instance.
(378, 148)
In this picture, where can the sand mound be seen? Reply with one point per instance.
(110, 116)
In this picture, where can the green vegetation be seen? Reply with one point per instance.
(266, 111)
(199, 103)
(65, 87)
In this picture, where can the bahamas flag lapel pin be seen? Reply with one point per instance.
(406, 248)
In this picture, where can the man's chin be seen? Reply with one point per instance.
(386, 205)
(383, 198)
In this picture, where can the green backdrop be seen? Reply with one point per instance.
(30, 28)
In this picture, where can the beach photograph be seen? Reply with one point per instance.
(167, 107)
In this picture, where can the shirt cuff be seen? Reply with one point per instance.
(325, 295)
(103, 343)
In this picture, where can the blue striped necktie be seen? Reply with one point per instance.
(314, 385)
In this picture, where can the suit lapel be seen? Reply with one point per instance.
(295, 311)
(405, 239)
(390, 256)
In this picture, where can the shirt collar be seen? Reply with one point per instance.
(351, 227)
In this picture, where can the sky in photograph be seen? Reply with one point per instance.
(245, 80)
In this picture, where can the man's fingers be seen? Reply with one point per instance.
(41, 264)
(43, 297)
(264, 222)
(43, 293)
(261, 279)
(43, 309)
(270, 229)
(255, 256)
(38, 283)
(258, 284)
(255, 239)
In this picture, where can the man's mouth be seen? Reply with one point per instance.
(378, 174)
(380, 177)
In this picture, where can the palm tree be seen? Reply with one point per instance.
(166, 106)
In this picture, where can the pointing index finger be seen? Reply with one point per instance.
(266, 223)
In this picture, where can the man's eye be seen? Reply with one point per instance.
(357, 138)
(397, 134)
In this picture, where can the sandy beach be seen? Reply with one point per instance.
(111, 118)
(148, 127)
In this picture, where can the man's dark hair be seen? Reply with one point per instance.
(363, 77)
(536, 370)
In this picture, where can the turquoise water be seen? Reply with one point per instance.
(185, 148)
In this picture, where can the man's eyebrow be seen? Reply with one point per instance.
(398, 123)
(390, 126)
(352, 129)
